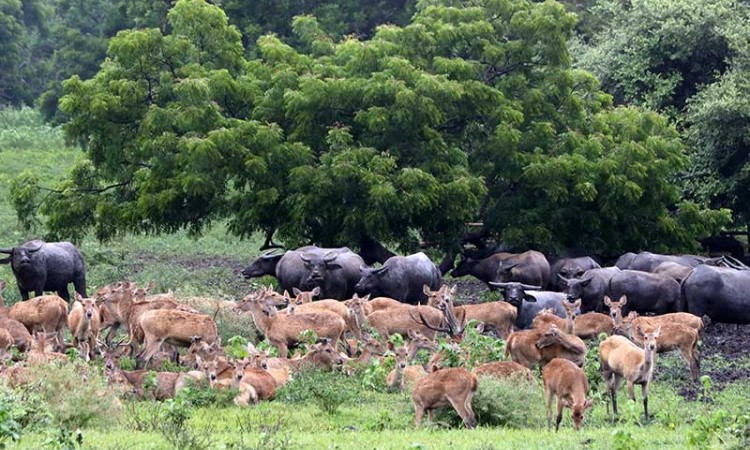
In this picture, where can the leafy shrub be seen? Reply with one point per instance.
(328, 390)
(175, 430)
(511, 402)
(74, 394)
(230, 324)
(198, 396)
(480, 348)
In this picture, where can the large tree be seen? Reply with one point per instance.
(470, 112)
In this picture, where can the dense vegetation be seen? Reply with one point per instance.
(398, 122)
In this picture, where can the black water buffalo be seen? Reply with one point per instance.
(47, 266)
(570, 268)
(529, 300)
(673, 270)
(335, 272)
(401, 278)
(530, 268)
(648, 262)
(721, 294)
(293, 272)
(590, 288)
(647, 292)
(263, 265)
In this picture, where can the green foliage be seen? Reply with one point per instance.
(64, 439)
(71, 402)
(177, 432)
(327, 390)
(623, 440)
(505, 403)
(480, 348)
(10, 428)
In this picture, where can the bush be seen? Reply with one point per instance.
(74, 394)
(512, 403)
(328, 390)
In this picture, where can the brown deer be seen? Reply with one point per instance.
(567, 382)
(6, 342)
(403, 376)
(622, 359)
(615, 309)
(381, 304)
(556, 343)
(48, 313)
(447, 387)
(262, 381)
(503, 370)
(281, 330)
(42, 351)
(589, 325)
(546, 318)
(280, 370)
(174, 327)
(303, 304)
(498, 315)
(207, 352)
(84, 323)
(674, 335)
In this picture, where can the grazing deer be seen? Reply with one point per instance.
(567, 382)
(84, 323)
(622, 359)
(447, 387)
(303, 304)
(674, 335)
(283, 330)
(589, 325)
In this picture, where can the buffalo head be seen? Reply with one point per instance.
(573, 287)
(515, 293)
(318, 269)
(370, 280)
(264, 265)
(464, 267)
(22, 255)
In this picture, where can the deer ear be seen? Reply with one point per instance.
(623, 300)
(454, 289)
(150, 286)
(196, 338)
(426, 289)
(295, 291)
(607, 301)
(577, 303)
(79, 297)
(565, 403)
(316, 292)
(589, 403)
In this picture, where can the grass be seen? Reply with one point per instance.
(209, 267)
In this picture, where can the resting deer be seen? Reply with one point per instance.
(622, 359)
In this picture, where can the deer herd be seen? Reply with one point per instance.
(351, 334)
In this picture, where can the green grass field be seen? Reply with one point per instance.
(208, 267)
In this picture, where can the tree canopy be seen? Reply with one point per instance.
(470, 112)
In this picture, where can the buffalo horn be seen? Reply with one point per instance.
(528, 287)
(6, 250)
(330, 257)
(268, 254)
(304, 258)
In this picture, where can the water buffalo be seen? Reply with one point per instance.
(47, 266)
(647, 261)
(293, 272)
(265, 264)
(590, 288)
(529, 300)
(673, 270)
(483, 269)
(401, 278)
(646, 292)
(335, 272)
(570, 268)
(530, 268)
(721, 294)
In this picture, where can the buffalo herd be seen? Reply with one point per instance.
(717, 288)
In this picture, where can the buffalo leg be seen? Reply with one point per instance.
(24, 294)
(64, 293)
(79, 285)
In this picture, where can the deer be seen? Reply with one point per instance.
(621, 359)
(48, 313)
(165, 384)
(262, 381)
(546, 318)
(674, 335)
(280, 370)
(403, 375)
(303, 304)
(381, 304)
(537, 347)
(42, 351)
(206, 351)
(84, 323)
(281, 330)
(447, 387)
(6, 342)
(109, 298)
(175, 327)
(504, 370)
(498, 315)
(589, 325)
(566, 382)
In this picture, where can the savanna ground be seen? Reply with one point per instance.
(62, 409)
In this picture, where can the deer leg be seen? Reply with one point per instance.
(419, 413)
(559, 415)
(691, 357)
(112, 333)
(283, 350)
(466, 415)
(617, 379)
(148, 352)
(431, 415)
(644, 393)
(631, 390)
(548, 395)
